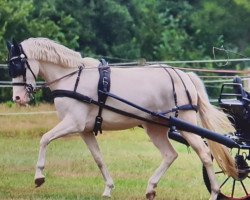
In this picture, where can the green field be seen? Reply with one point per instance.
(71, 172)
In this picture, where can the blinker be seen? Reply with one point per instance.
(17, 67)
(16, 60)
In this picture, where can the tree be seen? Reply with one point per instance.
(176, 41)
(104, 27)
(20, 20)
(223, 23)
(130, 29)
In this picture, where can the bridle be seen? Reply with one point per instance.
(20, 70)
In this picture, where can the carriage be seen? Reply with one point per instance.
(124, 103)
(235, 101)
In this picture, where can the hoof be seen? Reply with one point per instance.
(151, 195)
(39, 181)
(106, 196)
(107, 191)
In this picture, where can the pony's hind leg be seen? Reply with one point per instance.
(65, 127)
(93, 146)
(158, 136)
(202, 150)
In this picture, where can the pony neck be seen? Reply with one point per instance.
(50, 72)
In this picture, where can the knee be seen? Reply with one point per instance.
(171, 157)
(44, 141)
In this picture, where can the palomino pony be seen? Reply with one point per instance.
(149, 87)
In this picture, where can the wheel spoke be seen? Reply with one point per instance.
(232, 195)
(232, 188)
(242, 184)
(224, 182)
(219, 172)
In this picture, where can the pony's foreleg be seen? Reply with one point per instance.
(65, 127)
(158, 136)
(93, 146)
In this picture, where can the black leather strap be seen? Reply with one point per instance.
(174, 93)
(78, 77)
(103, 88)
(189, 106)
(86, 99)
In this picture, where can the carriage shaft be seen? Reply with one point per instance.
(182, 125)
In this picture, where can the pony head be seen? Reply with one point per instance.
(23, 72)
(31, 57)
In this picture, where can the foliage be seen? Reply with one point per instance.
(129, 30)
(223, 23)
(132, 29)
(9, 104)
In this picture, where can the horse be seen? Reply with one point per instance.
(157, 88)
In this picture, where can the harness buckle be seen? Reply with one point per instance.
(30, 89)
(98, 124)
(105, 81)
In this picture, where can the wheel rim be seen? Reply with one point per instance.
(230, 188)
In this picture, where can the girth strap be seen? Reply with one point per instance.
(103, 88)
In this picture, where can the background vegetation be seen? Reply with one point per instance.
(131, 29)
(127, 30)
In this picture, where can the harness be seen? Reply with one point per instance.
(103, 92)
(189, 106)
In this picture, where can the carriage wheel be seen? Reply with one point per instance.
(230, 188)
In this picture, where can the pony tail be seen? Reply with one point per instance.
(217, 121)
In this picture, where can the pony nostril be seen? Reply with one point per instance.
(17, 98)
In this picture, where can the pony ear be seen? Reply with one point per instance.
(9, 45)
(16, 46)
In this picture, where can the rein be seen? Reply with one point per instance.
(34, 90)
(80, 68)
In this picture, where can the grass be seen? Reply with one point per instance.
(71, 172)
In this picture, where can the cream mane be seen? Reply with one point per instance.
(44, 49)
